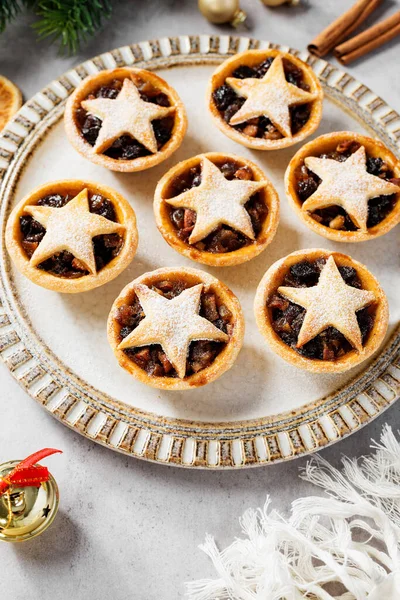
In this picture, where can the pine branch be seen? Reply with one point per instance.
(9, 9)
(71, 21)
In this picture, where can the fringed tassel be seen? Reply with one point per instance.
(342, 547)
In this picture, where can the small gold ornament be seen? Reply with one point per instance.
(222, 11)
(26, 512)
(280, 2)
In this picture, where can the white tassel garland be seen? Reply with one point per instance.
(342, 547)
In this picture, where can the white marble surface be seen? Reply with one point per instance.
(126, 528)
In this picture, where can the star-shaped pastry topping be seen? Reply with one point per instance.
(270, 96)
(331, 303)
(346, 184)
(127, 114)
(173, 324)
(71, 228)
(218, 201)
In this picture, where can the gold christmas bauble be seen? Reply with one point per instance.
(279, 2)
(222, 11)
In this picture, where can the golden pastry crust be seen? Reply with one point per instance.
(169, 232)
(125, 215)
(255, 57)
(273, 279)
(103, 78)
(223, 361)
(325, 144)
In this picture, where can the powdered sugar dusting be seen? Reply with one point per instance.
(172, 323)
(71, 227)
(331, 303)
(218, 201)
(126, 114)
(346, 184)
(270, 96)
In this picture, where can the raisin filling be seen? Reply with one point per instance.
(152, 358)
(64, 264)
(223, 238)
(228, 102)
(126, 147)
(287, 317)
(336, 217)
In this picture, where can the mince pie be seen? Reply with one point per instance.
(217, 209)
(72, 236)
(265, 99)
(125, 119)
(176, 329)
(321, 311)
(345, 186)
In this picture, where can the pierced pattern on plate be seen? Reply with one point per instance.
(145, 435)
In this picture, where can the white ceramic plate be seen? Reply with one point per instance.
(55, 345)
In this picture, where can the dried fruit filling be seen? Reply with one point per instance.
(336, 217)
(223, 238)
(64, 264)
(228, 102)
(126, 147)
(202, 353)
(287, 317)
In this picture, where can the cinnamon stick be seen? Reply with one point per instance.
(341, 28)
(368, 40)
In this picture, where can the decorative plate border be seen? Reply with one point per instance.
(146, 435)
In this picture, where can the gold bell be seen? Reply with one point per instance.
(26, 512)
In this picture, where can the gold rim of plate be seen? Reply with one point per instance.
(143, 434)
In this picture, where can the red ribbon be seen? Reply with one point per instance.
(27, 473)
